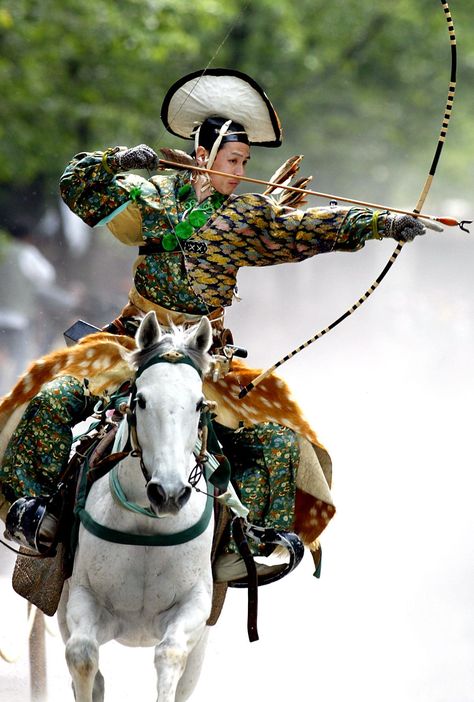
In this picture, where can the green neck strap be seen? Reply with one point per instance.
(117, 492)
(132, 539)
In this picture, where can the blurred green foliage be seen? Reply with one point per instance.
(360, 86)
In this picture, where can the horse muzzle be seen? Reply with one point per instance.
(165, 502)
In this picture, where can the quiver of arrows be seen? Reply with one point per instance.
(179, 158)
(285, 176)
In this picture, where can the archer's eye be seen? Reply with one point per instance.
(141, 401)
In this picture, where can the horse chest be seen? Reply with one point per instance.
(134, 590)
(131, 569)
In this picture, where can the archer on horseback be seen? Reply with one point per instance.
(194, 234)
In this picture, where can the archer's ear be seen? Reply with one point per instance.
(202, 155)
(200, 337)
(149, 332)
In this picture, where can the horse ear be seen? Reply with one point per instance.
(200, 338)
(149, 332)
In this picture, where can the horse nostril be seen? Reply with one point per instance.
(156, 494)
(183, 497)
(164, 501)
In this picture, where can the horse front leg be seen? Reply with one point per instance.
(82, 656)
(192, 672)
(185, 628)
(85, 621)
(81, 687)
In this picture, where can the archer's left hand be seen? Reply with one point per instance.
(403, 227)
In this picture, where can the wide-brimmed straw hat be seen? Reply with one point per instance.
(221, 92)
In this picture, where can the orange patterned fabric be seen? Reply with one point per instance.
(101, 358)
(98, 357)
(271, 401)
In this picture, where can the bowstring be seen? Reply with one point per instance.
(417, 210)
(209, 63)
(229, 31)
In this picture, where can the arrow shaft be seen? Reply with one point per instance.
(291, 188)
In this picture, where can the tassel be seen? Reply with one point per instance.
(317, 555)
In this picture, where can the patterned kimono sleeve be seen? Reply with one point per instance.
(92, 191)
(279, 234)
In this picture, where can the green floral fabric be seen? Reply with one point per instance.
(264, 461)
(160, 278)
(242, 230)
(40, 446)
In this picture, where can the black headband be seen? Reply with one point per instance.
(209, 131)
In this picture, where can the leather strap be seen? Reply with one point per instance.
(252, 579)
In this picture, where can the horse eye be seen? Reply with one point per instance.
(200, 405)
(141, 401)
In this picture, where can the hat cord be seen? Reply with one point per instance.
(215, 147)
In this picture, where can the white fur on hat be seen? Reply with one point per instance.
(221, 93)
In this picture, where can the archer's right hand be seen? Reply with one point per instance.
(141, 156)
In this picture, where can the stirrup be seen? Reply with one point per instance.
(268, 536)
(25, 524)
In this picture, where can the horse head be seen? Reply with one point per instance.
(167, 406)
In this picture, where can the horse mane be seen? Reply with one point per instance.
(175, 340)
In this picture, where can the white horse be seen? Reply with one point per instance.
(148, 595)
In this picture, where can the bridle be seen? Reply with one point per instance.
(156, 539)
(132, 445)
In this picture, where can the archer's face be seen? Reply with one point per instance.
(231, 158)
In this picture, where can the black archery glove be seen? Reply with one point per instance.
(141, 156)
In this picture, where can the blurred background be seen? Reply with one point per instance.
(360, 89)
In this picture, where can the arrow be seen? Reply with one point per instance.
(447, 221)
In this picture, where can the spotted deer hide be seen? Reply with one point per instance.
(101, 359)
